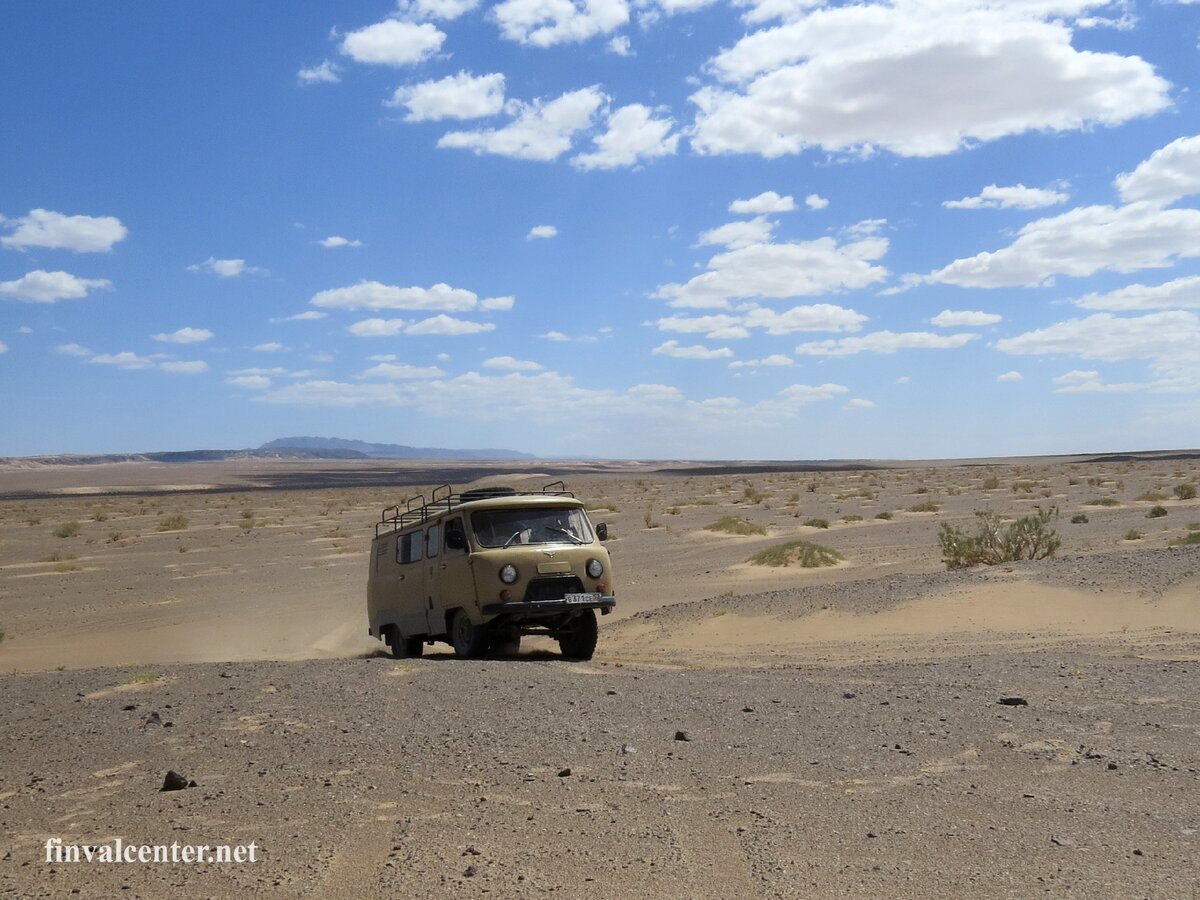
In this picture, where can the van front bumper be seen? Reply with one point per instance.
(539, 607)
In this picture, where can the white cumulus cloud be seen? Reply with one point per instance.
(949, 318)
(676, 350)
(226, 268)
(40, 286)
(778, 271)
(1015, 197)
(56, 231)
(461, 96)
(336, 240)
(1179, 293)
(448, 326)
(185, 336)
(540, 131)
(544, 23)
(765, 203)
(916, 78)
(326, 72)
(511, 364)
(1082, 242)
(541, 231)
(184, 367)
(375, 295)
(633, 135)
(1170, 173)
(1011, 376)
(393, 43)
(884, 342)
(393, 371)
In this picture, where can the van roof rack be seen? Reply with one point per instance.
(417, 510)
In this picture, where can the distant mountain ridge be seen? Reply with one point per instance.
(344, 448)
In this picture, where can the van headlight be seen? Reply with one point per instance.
(595, 568)
(508, 574)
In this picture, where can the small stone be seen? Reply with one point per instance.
(1013, 701)
(628, 748)
(564, 773)
(469, 872)
(682, 736)
(747, 709)
(849, 695)
(174, 782)
(1112, 767)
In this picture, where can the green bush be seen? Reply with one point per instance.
(736, 525)
(1133, 535)
(1185, 491)
(926, 506)
(1029, 537)
(173, 523)
(1104, 501)
(817, 523)
(1190, 539)
(1079, 519)
(887, 516)
(805, 554)
(1156, 512)
(67, 529)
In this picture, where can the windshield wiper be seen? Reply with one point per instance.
(515, 535)
(571, 536)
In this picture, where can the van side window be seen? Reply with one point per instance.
(432, 540)
(408, 547)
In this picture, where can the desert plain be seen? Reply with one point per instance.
(881, 727)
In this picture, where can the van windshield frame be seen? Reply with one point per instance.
(523, 526)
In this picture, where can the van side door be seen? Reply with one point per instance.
(454, 584)
(410, 591)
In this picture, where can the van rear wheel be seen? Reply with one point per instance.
(405, 648)
(578, 639)
(468, 639)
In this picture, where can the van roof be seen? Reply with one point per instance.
(443, 500)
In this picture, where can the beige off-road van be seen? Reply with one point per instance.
(481, 569)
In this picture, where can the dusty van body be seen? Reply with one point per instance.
(483, 568)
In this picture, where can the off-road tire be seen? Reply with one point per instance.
(405, 648)
(468, 639)
(505, 644)
(578, 640)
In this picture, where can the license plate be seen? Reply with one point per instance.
(582, 598)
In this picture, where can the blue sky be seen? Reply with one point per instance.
(620, 228)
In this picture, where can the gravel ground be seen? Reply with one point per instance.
(534, 776)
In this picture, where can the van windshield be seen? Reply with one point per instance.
(542, 525)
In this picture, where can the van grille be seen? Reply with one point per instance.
(554, 587)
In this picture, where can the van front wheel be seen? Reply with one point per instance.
(468, 639)
(578, 639)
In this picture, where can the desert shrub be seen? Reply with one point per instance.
(853, 517)
(1193, 526)
(753, 495)
(805, 554)
(1029, 537)
(650, 521)
(1185, 491)
(1079, 519)
(1190, 539)
(99, 514)
(925, 506)
(1, 634)
(1103, 501)
(1152, 496)
(1133, 535)
(884, 515)
(176, 522)
(57, 557)
(67, 529)
(817, 523)
(736, 525)
(991, 483)
(1156, 512)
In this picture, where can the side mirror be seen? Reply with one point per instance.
(602, 531)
